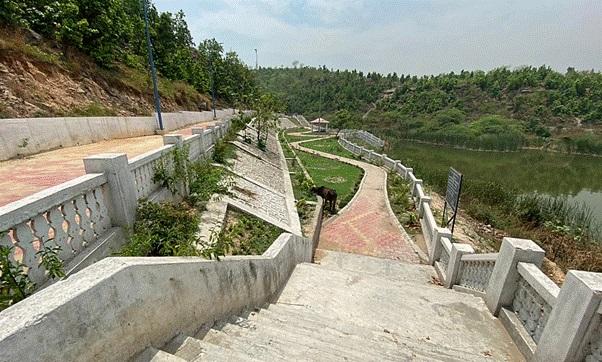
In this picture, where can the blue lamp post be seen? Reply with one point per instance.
(151, 63)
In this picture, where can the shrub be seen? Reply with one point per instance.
(163, 230)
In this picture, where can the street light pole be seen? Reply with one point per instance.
(151, 63)
(213, 89)
(213, 81)
(256, 62)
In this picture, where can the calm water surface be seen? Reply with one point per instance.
(579, 178)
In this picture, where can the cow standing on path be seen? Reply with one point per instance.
(329, 196)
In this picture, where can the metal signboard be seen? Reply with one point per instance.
(452, 197)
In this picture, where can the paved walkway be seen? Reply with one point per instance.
(366, 225)
(26, 176)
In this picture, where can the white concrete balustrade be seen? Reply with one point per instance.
(546, 322)
(86, 216)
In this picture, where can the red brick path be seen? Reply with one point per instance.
(366, 226)
(24, 177)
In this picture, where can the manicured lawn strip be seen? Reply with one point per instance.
(329, 145)
(296, 130)
(291, 138)
(337, 175)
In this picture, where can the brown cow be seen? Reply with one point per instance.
(329, 196)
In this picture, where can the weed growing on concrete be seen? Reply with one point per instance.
(401, 202)
(14, 283)
(51, 261)
(163, 230)
(173, 173)
(244, 234)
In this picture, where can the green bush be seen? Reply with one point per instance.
(163, 229)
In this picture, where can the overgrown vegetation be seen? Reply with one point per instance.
(15, 284)
(244, 234)
(400, 199)
(165, 229)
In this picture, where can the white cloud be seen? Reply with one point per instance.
(414, 36)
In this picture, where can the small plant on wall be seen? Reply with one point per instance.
(15, 284)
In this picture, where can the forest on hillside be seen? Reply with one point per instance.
(112, 34)
(502, 109)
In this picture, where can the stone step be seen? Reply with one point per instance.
(236, 343)
(384, 344)
(385, 268)
(366, 347)
(193, 349)
(152, 354)
(293, 346)
(454, 321)
(184, 347)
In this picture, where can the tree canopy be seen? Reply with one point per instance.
(112, 32)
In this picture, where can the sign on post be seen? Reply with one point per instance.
(452, 197)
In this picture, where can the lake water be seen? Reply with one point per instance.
(579, 178)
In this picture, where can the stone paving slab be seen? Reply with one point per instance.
(264, 172)
(24, 177)
(366, 225)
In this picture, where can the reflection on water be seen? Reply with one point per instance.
(592, 199)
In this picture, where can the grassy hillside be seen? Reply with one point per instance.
(89, 57)
(38, 80)
(501, 109)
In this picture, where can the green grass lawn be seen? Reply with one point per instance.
(337, 175)
(292, 138)
(329, 145)
(295, 130)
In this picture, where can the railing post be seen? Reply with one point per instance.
(173, 139)
(504, 278)
(574, 316)
(422, 201)
(437, 246)
(122, 186)
(207, 139)
(417, 182)
(409, 170)
(455, 262)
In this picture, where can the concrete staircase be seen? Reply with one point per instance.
(357, 308)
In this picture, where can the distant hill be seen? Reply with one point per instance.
(501, 109)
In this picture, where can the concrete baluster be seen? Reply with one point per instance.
(436, 246)
(455, 262)
(423, 200)
(576, 313)
(505, 276)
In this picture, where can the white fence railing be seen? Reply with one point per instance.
(548, 323)
(80, 216)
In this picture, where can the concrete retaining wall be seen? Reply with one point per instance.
(27, 136)
(119, 306)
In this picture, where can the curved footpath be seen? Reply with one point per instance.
(366, 225)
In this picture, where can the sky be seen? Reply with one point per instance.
(407, 37)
